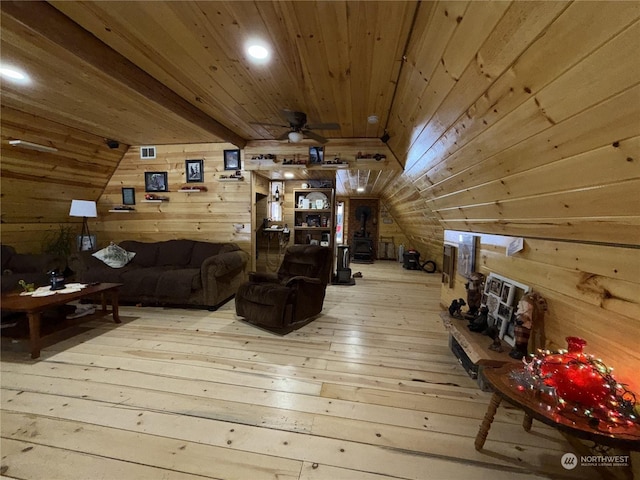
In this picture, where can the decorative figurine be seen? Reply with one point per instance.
(474, 294)
(531, 308)
(454, 308)
(480, 322)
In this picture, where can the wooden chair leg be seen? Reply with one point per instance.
(527, 422)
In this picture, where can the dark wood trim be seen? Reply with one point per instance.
(45, 20)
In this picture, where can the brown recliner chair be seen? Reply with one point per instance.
(292, 297)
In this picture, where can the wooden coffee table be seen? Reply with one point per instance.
(34, 306)
(626, 438)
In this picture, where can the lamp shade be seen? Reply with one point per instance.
(295, 137)
(83, 208)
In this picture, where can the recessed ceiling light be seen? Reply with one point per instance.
(288, 175)
(360, 189)
(14, 74)
(258, 52)
(372, 119)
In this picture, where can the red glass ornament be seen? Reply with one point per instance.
(574, 377)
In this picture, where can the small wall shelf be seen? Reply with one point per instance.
(191, 190)
(119, 210)
(234, 179)
(154, 201)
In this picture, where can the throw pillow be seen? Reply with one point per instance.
(114, 256)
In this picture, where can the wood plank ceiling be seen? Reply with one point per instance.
(149, 73)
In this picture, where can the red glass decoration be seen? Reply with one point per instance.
(574, 377)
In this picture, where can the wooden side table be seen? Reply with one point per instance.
(626, 438)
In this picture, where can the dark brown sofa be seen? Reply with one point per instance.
(30, 267)
(292, 297)
(172, 272)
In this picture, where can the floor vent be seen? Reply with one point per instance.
(147, 152)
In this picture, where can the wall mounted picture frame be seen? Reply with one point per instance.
(466, 255)
(128, 196)
(316, 154)
(232, 160)
(194, 171)
(155, 182)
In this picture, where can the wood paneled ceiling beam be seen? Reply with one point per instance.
(43, 19)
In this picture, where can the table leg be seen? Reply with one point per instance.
(486, 422)
(114, 306)
(34, 333)
(527, 422)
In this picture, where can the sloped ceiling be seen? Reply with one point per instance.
(491, 107)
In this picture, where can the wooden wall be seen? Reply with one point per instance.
(525, 124)
(592, 292)
(522, 119)
(221, 214)
(37, 187)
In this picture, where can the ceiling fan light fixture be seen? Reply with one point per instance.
(295, 137)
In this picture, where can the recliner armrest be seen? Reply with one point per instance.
(263, 277)
(300, 278)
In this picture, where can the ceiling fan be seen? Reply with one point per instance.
(298, 127)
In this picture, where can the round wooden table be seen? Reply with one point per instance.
(626, 438)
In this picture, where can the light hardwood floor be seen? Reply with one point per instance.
(368, 391)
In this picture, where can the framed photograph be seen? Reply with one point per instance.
(504, 312)
(507, 294)
(128, 196)
(466, 255)
(194, 170)
(232, 160)
(155, 182)
(316, 155)
(508, 333)
(86, 243)
(495, 286)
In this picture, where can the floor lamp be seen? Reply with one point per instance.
(84, 209)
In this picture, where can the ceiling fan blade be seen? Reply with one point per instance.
(295, 119)
(284, 136)
(314, 136)
(324, 126)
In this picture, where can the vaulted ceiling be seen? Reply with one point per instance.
(484, 102)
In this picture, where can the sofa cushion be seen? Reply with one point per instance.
(146, 253)
(203, 250)
(178, 283)
(28, 263)
(142, 281)
(114, 256)
(104, 274)
(175, 252)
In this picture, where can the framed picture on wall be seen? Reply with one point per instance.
(128, 196)
(466, 255)
(316, 154)
(194, 170)
(232, 160)
(155, 182)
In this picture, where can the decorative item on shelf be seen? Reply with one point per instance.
(193, 188)
(575, 383)
(264, 156)
(531, 308)
(295, 160)
(371, 156)
(235, 176)
(152, 197)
